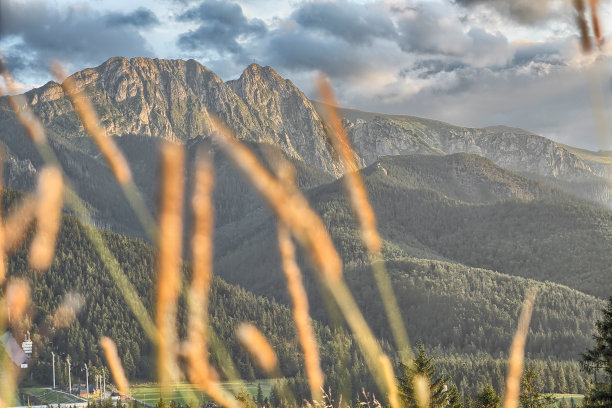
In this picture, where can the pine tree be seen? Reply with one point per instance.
(487, 398)
(531, 395)
(454, 399)
(598, 362)
(423, 365)
(260, 397)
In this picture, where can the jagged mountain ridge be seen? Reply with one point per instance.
(173, 99)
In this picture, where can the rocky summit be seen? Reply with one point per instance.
(174, 100)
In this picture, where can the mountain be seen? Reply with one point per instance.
(459, 208)
(476, 311)
(375, 135)
(173, 100)
(469, 217)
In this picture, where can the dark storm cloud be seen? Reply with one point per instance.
(222, 26)
(141, 17)
(38, 32)
(355, 23)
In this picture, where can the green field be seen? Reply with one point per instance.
(568, 397)
(48, 396)
(183, 393)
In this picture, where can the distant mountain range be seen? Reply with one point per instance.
(469, 217)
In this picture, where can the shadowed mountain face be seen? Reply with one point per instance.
(174, 100)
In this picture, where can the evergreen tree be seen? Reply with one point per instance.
(454, 399)
(598, 362)
(423, 366)
(487, 398)
(531, 393)
(260, 397)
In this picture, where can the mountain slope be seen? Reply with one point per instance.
(517, 226)
(174, 99)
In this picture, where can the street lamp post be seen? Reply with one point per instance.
(69, 379)
(87, 382)
(53, 359)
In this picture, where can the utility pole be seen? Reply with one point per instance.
(69, 379)
(104, 380)
(87, 382)
(53, 359)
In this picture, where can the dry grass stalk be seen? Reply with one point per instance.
(107, 146)
(169, 258)
(354, 186)
(421, 391)
(517, 352)
(2, 250)
(301, 315)
(48, 217)
(66, 312)
(17, 222)
(595, 22)
(200, 372)
(116, 368)
(387, 369)
(259, 348)
(358, 198)
(17, 298)
(290, 207)
(18, 103)
(583, 25)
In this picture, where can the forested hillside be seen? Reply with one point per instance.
(77, 269)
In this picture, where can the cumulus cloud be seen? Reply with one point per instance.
(141, 17)
(36, 32)
(354, 23)
(222, 27)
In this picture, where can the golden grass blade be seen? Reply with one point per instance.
(17, 298)
(66, 312)
(26, 212)
(421, 391)
(48, 217)
(116, 160)
(258, 347)
(355, 189)
(83, 108)
(172, 159)
(291, 209)
(2, 239)
(596, 23)
(358, 199)
(201, 253)
(387, 369)
(517, 352)
(301, 316)
(583, 25)
(116, 368)
(17, 223)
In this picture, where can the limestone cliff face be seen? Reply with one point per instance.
(174, 100)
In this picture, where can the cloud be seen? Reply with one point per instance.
(522, 11)
(222, 28)
(36, 32)
(141, 17)
(354, 23)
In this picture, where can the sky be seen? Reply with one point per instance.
(473, 63)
